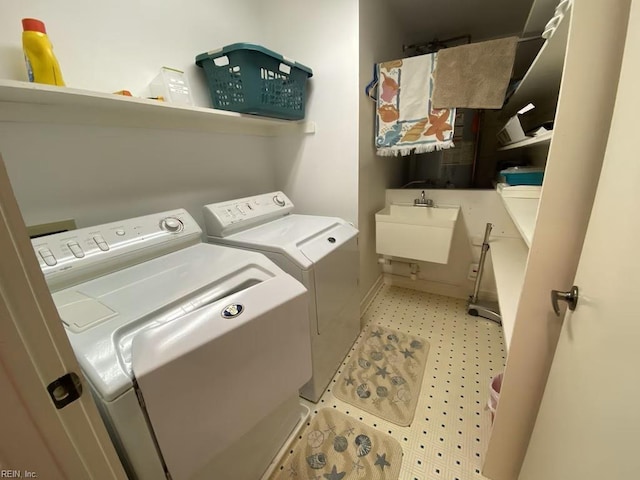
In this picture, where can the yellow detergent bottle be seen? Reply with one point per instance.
(42, 66)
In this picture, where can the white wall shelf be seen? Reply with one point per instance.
(24, 102)
(523, 212)
(509, 259)
(542, 139)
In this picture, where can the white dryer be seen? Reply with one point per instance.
(194, 352)
(321, 252)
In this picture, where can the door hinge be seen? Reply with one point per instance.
(65, 390)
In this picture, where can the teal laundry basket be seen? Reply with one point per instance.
(248, 78)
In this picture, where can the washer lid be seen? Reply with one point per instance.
(104, 315)
(304, 239)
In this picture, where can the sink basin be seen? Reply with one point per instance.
(419, 233)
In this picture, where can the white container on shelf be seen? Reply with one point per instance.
(512, 132)
(172, 85)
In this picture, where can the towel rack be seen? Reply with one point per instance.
(435, 44)
(537, 36)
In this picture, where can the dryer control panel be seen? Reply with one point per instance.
(76, 256)
(224, 218)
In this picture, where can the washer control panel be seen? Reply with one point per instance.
(224, 218)
(70, 257)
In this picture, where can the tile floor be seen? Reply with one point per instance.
(450, 430)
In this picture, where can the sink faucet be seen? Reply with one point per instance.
(422, 201)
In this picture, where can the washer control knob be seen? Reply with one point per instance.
(171, 225)
(277, 199)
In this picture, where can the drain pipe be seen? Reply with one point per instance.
(414, 268)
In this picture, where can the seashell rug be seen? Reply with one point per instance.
(335, 446)
(384, 374)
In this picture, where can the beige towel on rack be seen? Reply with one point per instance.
(475, 75)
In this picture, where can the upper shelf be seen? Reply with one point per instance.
(541, 84)
(35, 103)
(529, 141)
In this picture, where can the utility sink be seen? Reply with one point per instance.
(416, 232)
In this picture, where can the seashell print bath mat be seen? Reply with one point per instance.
(384, 374)
(335, 446)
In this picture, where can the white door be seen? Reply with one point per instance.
(588, 426)
(38, 440)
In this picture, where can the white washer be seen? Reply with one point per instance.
(194, 352)
(321, 252)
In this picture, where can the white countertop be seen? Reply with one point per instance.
(509, 259)
(523, 212)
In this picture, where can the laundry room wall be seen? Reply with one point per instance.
(320, 172)
(381, 39)
(98, 174)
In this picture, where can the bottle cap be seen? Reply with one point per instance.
(33, 25)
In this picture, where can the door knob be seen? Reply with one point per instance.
(571, 297)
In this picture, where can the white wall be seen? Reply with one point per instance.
(381, 39)
(320, 172)
(478, 207)
(96, 174)
(426, 20)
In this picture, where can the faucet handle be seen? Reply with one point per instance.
(423, 201)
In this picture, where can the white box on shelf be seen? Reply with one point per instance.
(172, 85)
(511, 132)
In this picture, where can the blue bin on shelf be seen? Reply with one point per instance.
(248, 78)
(523, 175)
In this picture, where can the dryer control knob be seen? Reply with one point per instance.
(278, 201)
(171, 224)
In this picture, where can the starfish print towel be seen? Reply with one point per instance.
(405, 119)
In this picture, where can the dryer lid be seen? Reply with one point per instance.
(304, 239)
(318, 246)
